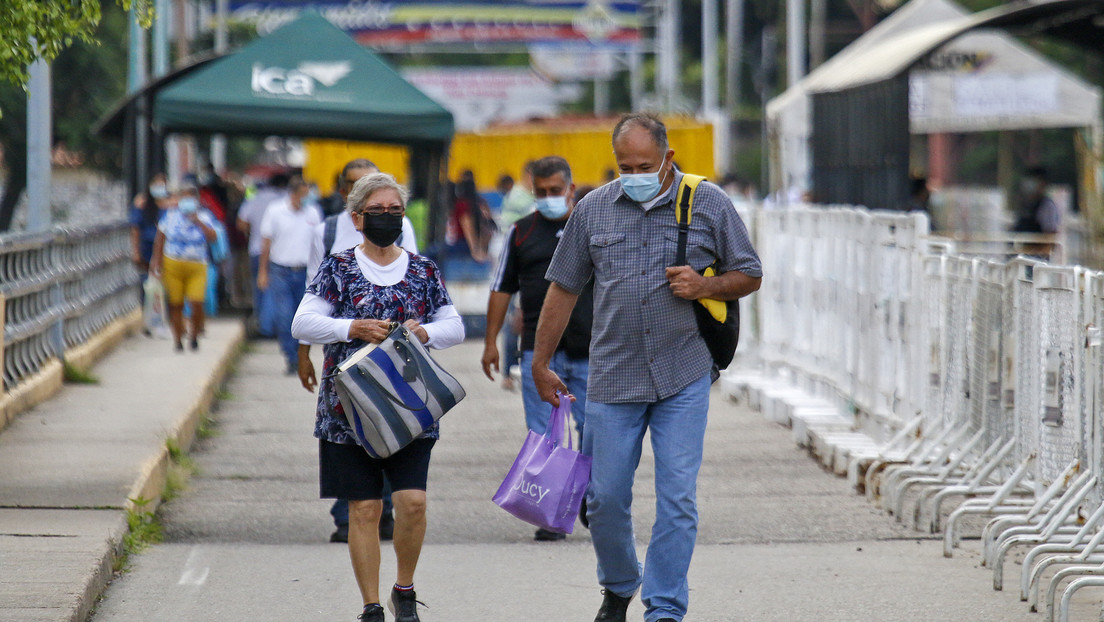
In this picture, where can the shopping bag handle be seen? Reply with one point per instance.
(408, 357)
(560, 416)
(404, 351)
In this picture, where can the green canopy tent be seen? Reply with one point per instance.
(307, 79)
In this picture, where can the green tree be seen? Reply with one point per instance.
(85, 78)
(33, 29)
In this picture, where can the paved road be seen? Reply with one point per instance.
(780, 539)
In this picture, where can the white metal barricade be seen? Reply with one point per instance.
(970, 377)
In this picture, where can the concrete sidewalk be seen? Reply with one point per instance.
(71, 467)
(780, 539)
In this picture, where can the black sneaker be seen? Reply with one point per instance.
(372, 613)
(544, 535)
(613, 607)
(341, 534)
(404, 605)
(387, 526)
(194, 344)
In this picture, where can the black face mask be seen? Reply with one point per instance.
(382, 230)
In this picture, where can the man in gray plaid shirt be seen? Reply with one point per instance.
(649, 366)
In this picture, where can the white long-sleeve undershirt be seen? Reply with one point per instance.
(313, 322)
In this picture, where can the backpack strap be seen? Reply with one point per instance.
(684, 200)
(329, 235)
(683, 213)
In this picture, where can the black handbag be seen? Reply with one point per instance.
(718, 320)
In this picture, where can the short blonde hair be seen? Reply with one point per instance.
(368, 185)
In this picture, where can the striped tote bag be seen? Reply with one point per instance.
(393, 391)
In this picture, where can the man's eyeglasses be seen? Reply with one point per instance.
(379, 210)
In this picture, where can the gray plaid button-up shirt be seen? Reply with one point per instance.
(645, 345)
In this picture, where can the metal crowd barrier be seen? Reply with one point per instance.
(58, 289)
(947, 385)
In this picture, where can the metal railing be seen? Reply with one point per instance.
(59, 288)
(953, 376)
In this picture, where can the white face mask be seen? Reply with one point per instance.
(552, 208)
(643, 187)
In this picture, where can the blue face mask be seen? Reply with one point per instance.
(159, 191)
(187, 205)
(643, 187)
(552, 208)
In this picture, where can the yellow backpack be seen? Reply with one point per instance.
(718, 320)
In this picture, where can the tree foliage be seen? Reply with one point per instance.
(33, 29)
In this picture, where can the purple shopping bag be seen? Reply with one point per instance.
(546, 484)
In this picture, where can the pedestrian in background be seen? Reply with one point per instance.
(338, 232)
(518, 201)
(351, 302)
(649, 366)
(470, 222)
(286, 233)
(145, 213)
(180, 255)
(526, 254)
(1039, 214)
(919, 196)
(250, 215)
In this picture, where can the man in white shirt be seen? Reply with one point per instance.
(249, 223)
(286, 232)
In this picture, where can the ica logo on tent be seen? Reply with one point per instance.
(301, 81)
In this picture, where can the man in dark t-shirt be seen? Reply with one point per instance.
(525, 257)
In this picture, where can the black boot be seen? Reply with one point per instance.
(613, 607)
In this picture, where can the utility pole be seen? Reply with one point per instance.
(38, 147)
(734, 64)
(162, 15)
(667, 53)
(710, 103)
(218, 141)
(137, 75)
(768, 43)
(818, 18)
(795, 41)
(711, 109)
(636, 77)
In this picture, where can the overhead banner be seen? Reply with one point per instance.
(480, 96)
(397, 24)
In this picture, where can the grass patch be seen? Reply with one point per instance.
(207, 427)
(181, 468)
(78, 376)
(143, 530)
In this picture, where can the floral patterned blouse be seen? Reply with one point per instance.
(340, 282)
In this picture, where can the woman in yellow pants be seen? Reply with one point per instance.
(180, 254)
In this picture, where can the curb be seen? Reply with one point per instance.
(151, 479)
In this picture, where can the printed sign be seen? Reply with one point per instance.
(402, 23)
(1004, 94)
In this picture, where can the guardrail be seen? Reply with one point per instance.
(58, 289)
(928, 374)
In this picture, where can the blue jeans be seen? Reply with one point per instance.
(286, 286)
(574, 374)
(614, 436)
(262, 300)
